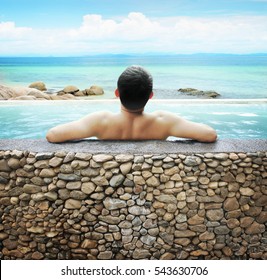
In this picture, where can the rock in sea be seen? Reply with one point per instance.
(38, 85)
(199, 93)
(94, 90)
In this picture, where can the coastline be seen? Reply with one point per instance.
(189, 93)
(232, 76)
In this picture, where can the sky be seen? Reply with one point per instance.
(89, 27)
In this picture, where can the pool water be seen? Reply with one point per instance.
(31, 120)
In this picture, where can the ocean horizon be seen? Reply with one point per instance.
(233, 76)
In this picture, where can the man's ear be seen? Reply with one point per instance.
(117, 94)
(151, 95)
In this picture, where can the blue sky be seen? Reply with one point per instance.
(81, 27)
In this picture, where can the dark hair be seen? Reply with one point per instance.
(135, 86)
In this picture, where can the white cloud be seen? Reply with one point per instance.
(134, 27)
(229, 34)
(137, 33)
(93, 27)
(9, 31)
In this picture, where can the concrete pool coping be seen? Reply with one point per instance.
(136, 147)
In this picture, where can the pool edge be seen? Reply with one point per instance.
(137, 147)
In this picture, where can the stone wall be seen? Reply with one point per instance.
(79, 205)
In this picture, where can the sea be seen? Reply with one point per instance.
(232, 76)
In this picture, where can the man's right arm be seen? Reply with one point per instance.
(83, 128)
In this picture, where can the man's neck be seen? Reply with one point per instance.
(131, 113)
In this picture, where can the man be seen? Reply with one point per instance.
(134, 88)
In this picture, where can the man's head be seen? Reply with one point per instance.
(135, 87)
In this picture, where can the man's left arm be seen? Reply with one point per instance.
(183, 128)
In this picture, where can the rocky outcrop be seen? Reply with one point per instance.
(69, 90)
(93, 90)
(37, 91)
(26, 93)
(38, 85)
(7, 92)
(199, 93)
(13, 92)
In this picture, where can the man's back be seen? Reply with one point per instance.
(131, 126)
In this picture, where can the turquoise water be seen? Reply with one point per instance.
(233, 76)
(31, 120)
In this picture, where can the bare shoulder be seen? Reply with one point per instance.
(98, 116)
(166, 116)
(102, 113)
(96, 121)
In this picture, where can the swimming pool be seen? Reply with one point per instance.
(231, 118)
